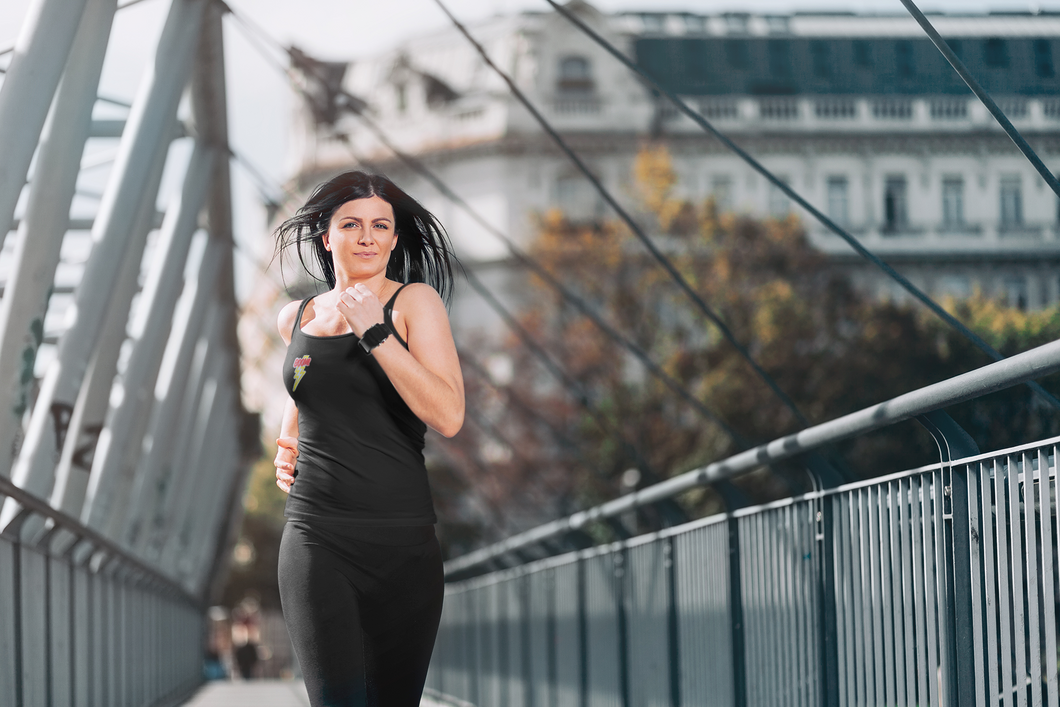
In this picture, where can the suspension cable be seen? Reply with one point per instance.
(565, 292)
(983, 96)
(794, 196)
(626, 218)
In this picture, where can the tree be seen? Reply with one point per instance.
(831, 348)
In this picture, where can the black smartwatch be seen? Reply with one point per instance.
(374, 336)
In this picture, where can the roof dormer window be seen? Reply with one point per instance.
(575, 76)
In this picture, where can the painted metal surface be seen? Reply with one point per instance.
(149, 123)
(26, 292)
(893, 541)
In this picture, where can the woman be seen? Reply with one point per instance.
(370, 363)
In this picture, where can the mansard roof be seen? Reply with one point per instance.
(1012, 61)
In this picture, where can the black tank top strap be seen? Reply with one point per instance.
(298, 320)
(388, 309)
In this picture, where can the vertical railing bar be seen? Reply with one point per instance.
(976, 551)
(872, 517)
(845, 645)
(71, 611)
(1046, 488)
(803, 644)
(672, 623)
(1018, 586)
(991, 551)
(862, 594)
(757, 690)
(737, 613)
(504, 647)
(767, 581)
(583, 637)
(983, 96)
(905, 534)
(932, 498)
(740, 539)
(622, 582)
(772, 546)
(925, 672)
(525, 643)
(1034, 646)
(553, 665)
(48, 665)
(830, 589)
(790, 607)
(886, 523)
(16, 603)
(852, 670)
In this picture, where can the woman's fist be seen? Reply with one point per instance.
(359, 306)
(286, 456)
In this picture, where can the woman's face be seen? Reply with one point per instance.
(361, 237)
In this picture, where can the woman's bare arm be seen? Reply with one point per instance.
(287, 442)
(427, 375)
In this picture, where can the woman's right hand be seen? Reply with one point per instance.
(286, 456)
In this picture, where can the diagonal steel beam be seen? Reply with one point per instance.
(29, 85)
(149, 121)
(25, 295)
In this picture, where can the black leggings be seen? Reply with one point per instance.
(362, 607)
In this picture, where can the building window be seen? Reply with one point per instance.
(721, 190)
(952, 202)
(1016, 292)
(1043, 58)
(779, 204)
(895, 208)
(736, 53)
(957, 286)
(838, 206)
(402, 97)
(821, 58)
(577, 199)
(862, 53)
(995, 53)
(779, 55)
(1011, 201)
(575, 76)
(903, 55)
(736, 23)
(1058, 204)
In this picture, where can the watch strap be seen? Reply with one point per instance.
(374, 336)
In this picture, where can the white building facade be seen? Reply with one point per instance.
(859, 114)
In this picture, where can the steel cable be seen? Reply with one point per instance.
(794, 196)
(627, 219)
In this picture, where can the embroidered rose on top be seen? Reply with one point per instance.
(300, 364)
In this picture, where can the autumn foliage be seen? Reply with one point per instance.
(544, 447)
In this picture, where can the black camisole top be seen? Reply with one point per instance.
(360, 447)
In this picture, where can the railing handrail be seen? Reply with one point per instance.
(83, 533)
(1021, 368)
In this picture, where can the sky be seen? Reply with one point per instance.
(260, 102)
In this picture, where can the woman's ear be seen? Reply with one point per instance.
(327, 245)
(393, 243)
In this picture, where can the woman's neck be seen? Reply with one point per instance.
(375, 283)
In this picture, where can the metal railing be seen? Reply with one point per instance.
(92, 626)
(928, 587)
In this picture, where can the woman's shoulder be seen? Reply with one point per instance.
(285, 321)
(416, 296)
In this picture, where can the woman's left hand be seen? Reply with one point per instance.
(361, 309)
